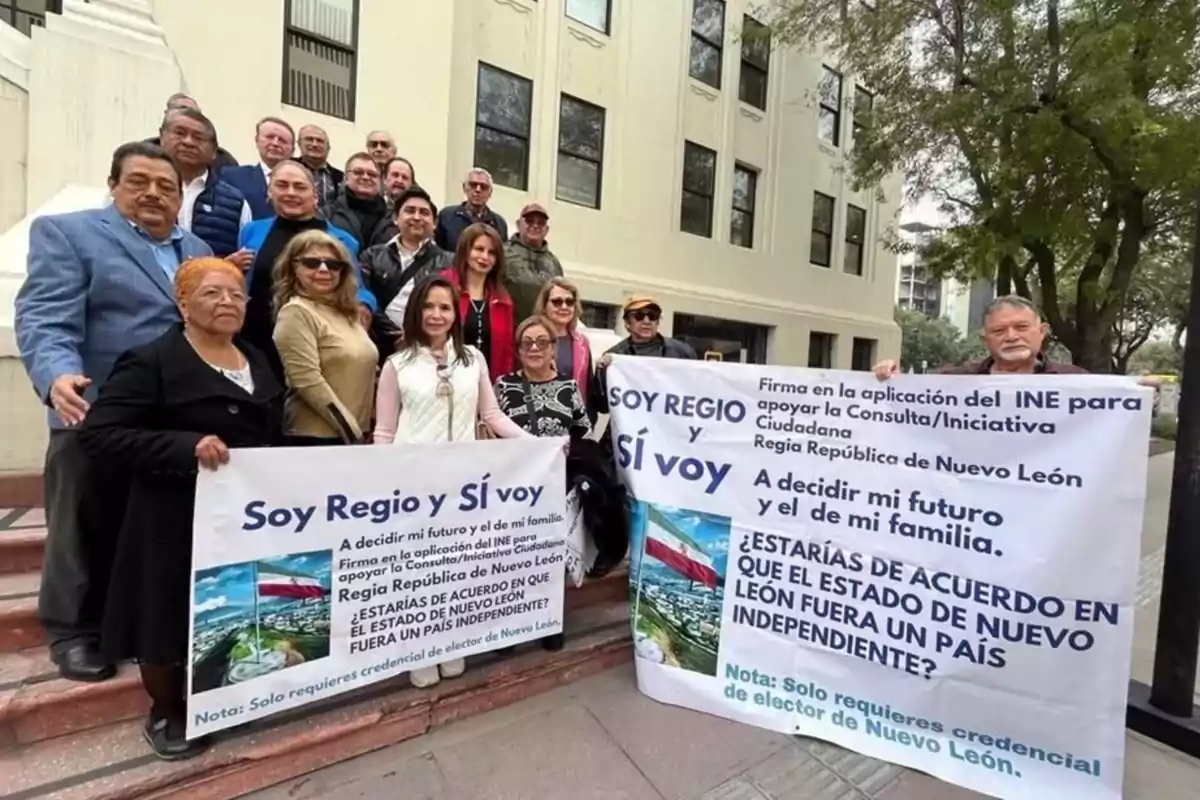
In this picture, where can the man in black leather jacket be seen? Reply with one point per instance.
(393, 269)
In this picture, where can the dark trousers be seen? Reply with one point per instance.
(84, 508)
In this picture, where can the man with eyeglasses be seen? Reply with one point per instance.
(456, 219)
(223, 157)
(211, 208)
(381, 147)
(314, 154)
(528, 262)
(360, 208)
(642, 314)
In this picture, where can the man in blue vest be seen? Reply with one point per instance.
(212, 209)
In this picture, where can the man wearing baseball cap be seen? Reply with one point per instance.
(528, 262)
(641, 315)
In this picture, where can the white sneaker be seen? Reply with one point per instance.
(452, 669)
(424, 677)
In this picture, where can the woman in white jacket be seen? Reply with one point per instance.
(436, 389)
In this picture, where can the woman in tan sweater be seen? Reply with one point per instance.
(328, 357)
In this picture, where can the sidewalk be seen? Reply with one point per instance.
(601, 739)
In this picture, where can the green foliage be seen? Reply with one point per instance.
(1164, 427)
(1156, 358)
(1063, 139)
(927, 343)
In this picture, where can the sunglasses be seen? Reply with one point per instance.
(331, 264)
(379, 143)
(479, 186)
(645, 314)
(540, 343)
(562, 302)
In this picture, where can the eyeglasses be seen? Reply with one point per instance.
(562, 302)
(645, 314)
(365, 173)
(540, 343)
(479, 186)
(331, 264)
(379, 143)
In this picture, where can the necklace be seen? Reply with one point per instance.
(478, 306)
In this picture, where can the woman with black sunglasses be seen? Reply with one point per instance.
(436, 388)
(328, 356)
(558, 304)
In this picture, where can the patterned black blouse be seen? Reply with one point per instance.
(557, 403)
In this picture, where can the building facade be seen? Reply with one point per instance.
(676, 155)
(918, 289)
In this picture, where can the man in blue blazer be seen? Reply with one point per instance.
(100, 282)
(275, 140)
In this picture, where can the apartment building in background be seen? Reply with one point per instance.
(676, 155)
(919, 289)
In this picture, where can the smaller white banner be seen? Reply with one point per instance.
(320, 570)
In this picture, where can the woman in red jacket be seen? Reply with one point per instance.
(485, 308)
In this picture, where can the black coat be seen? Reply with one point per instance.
(159, 402)
(384, 275)
(602, 498)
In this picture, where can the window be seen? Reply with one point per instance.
(820, 349)
(862, 355)
(320, 56)
(745, 190)
(708, 39)
(699, 174)
(829, 121)
(580, 152)
(756, 56)
(734, 341)
(820, 249)
(856, 232)
(864, 104)
(593, 13)
(503, 109)
(600, 316)
(25, 15)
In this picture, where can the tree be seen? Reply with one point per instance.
(1156, 358)
(1061, 138)
(927, 343)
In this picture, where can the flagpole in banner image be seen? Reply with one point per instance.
(257, 631)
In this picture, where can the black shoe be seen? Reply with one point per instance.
(166, 739)
(552, 644)
(82, 662)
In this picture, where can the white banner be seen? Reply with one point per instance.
(320, 570)
(934, 571)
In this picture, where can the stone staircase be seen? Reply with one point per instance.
(73, 741)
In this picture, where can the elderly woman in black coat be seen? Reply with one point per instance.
(170, 408)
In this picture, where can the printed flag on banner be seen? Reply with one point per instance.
(909, 568)
(678, 553)
(275, 581)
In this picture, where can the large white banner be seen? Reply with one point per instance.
(934, 571)
(321, 570)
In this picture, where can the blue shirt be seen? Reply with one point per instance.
(167, 252)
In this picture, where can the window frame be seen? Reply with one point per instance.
(352, 51)
(824, 108)
(711, 197)
(748, 212)
(748, 63)
(563, 97)
(706, 42)
(814, 232)
(525, 137)
(872, 347)
(828, 352)
(861, 243)
(606, 30)
(856, 123)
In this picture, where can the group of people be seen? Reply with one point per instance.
(212, 306)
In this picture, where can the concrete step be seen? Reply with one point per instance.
(20, 489)
(36, 704)
(114, 763)
(21, 550)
